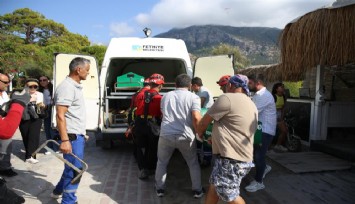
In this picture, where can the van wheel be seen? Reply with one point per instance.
(107, 144)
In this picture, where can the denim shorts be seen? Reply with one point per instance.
(227, 175)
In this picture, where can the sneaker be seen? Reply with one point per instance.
(56, 195)
(267, 170)
(160, 192)
(199, 194)
(8, 173)
(47, 153)
(143, 174)
(280, 148)
(254, 186)
(32, 160)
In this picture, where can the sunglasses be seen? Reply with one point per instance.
(5, 82)
(43, 80)
(33, 87)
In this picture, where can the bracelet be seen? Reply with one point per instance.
(65, 140)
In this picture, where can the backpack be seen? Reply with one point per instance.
(152, 124)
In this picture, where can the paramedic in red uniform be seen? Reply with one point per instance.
(148, 116)
(132, 114)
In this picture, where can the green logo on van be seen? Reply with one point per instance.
(148, 48)
(137, 48)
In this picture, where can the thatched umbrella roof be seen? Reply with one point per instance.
(322, 37)
(268, 71)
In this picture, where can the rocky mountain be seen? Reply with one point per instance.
(259, 44)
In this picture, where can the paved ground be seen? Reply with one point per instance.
(112, 178)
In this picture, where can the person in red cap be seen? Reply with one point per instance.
(223, 81)
(147, 126)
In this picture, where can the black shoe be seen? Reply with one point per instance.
(160, 192)
(56, 195)
(8, 173)
(199, 194)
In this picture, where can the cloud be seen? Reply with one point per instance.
(120, 29)
(265, 13)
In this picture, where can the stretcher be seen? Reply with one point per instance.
(79, 171)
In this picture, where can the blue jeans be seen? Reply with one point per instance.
(259, 156)
(65, 186)
(187, 148)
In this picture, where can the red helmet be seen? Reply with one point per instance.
(156, 79)
(146, 82)
(223, 80)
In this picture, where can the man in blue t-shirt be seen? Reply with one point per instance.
(204, 151)
(202, 92)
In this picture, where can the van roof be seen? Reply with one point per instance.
(129, 47)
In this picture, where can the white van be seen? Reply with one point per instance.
(107, 105)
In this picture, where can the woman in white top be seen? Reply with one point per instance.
(30, 126)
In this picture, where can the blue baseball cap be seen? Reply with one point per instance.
(240, 80)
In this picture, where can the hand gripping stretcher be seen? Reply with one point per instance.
(80, 172)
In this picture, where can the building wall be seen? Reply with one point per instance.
(339, 86)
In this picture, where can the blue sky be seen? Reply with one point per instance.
(101, 20)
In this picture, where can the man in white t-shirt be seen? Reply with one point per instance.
(265, 104)
(5, 145)
(202, 92)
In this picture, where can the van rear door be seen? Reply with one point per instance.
(91, 89)
(211, 68)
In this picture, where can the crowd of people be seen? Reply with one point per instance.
(159, 124)
(182, 127)
(28, 110)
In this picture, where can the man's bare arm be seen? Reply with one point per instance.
(65, 147)
(203, 124)
(196, 117)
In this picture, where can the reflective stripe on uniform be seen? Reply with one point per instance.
(69, 191)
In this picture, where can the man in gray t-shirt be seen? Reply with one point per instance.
(71, 124)
(202, 92)
(181, 112)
